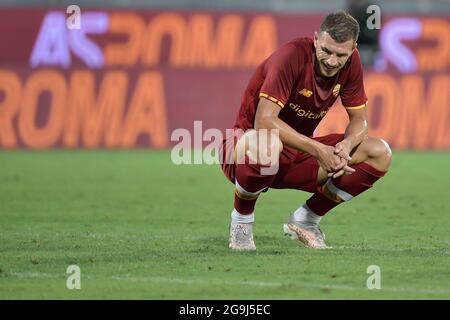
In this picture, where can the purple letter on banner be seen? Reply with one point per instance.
(55, 41)
(51, 47)
(85, 49)
(393, 49)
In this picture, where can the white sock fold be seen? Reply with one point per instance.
(305, 214)
(242, 218)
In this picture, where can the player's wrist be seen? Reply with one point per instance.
(315, 149)
(350, 142)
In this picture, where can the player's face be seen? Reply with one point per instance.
(331, 56)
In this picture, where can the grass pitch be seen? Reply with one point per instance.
(140, 227)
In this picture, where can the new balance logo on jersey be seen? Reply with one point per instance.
(307, 93)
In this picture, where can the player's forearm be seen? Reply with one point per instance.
(289, 136)
(356, 132)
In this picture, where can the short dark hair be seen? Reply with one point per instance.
(341, 26)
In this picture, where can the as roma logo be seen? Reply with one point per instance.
(336, 89)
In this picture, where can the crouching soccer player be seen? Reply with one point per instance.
(290, 93)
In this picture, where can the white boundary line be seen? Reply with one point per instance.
(441, 291)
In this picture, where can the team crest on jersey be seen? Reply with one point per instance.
(336, 89)
(307, 93)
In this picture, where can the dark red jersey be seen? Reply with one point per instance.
(287, 78)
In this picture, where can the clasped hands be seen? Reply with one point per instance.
(334, 160)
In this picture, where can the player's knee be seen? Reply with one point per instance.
(379, 148)
(379, 152)
(260, 146)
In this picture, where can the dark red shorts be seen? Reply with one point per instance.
(297, 170)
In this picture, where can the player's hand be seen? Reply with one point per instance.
(329, 161)
(342, 149)
(346, 170)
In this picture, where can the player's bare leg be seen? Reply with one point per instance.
(371, 159)
(253, 150)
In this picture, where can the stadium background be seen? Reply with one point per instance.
(138, 70)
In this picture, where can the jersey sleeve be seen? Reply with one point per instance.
(353, 95)
(281, 71)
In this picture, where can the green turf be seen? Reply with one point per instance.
(140, 227)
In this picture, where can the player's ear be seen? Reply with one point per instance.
(354, 48)
(316, 37)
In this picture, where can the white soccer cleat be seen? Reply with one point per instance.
(309, 234)
(241, 236)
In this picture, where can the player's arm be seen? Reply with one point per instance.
(354, 99)
(355, 132)
(267, 118)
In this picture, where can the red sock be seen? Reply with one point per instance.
(249, 183)
(352, 185)
(244, 206)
